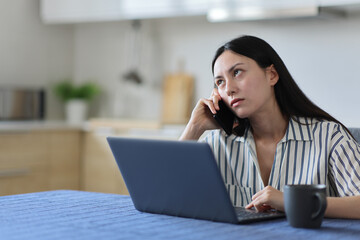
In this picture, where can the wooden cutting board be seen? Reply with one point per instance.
(178, 94)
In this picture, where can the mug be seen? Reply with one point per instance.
(305, 205)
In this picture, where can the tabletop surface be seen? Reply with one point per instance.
(66, 214)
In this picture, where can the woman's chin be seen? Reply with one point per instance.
(241, 115)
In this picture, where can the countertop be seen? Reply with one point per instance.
(21, 126)
(128, 127)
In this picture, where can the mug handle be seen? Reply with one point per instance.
(322, 205)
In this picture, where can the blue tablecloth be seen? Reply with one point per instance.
(86, 215)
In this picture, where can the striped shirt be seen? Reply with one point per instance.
(311, 152)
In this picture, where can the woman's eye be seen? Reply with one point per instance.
(237, 72)
(219, 82)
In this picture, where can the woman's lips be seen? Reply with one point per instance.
(236, 102)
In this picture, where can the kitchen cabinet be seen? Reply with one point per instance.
(100, 172)
(65, 156)
(39, 157)
(99, 169)
(70, 11)
(37, 160)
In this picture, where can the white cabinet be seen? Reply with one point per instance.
(76, 11)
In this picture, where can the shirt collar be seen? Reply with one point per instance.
(299, 129)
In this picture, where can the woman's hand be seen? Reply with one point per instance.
(266, 199)
(202, 117)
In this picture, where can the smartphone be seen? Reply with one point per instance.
(225, 117)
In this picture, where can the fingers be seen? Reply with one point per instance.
(215, 92)
(258, 205)
(205, 109)
(215, 98)
(213, 101)
(250, 205)
(256, 201)
(266, 199)
(256, 195)
(210, 104)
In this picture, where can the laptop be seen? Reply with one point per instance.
(178, 178)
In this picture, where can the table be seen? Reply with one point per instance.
(66, 214)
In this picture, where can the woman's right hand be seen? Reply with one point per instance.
(202, 117)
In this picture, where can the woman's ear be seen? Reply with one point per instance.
(272, 75)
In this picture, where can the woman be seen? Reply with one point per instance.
(280, 137)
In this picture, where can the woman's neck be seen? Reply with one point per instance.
(269, 126)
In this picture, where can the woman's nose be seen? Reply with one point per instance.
(230, 88)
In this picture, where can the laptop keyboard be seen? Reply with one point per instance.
(251, 215)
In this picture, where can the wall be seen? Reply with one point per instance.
(105, 52)
(32, 54)
(321, 53)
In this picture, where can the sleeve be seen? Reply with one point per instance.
(344, 163)
(210, 137)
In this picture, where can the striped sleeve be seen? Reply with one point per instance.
(226, 153)
(344, 163)
(222, 152)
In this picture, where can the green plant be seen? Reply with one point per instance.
(66, 90)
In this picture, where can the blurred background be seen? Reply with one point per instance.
(150, 61)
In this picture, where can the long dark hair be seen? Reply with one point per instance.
(292, 101)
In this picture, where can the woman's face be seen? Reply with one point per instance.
(245, 87)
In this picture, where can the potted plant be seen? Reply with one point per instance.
(76, 98)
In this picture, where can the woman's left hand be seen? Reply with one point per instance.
(266, 199)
